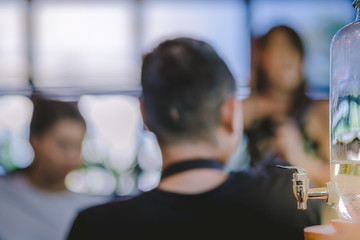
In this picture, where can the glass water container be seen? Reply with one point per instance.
(345, 119)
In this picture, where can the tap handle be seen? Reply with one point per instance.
(299, 170)
(300, 186)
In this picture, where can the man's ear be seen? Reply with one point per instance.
(231, 115)
(143, 114)
(227, 114)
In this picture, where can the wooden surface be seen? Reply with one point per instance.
(336, 230)
(319, 232)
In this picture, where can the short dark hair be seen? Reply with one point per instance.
(184, 84)
(48, 112)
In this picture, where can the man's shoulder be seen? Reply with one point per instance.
(115, 207)
(261, 174)
(103, 221)
(261, 182)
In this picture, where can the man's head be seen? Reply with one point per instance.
(57, 130)
(185, 88)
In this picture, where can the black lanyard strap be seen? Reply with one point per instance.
(189, 165)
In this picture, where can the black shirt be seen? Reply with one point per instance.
(246, 206)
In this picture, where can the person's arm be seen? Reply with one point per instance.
(290, 145)
(250, 111)
(257, 107)
(317, 127)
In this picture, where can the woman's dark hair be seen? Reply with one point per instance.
(260, 81)
(260, 134)
(48, 112)
(184, 85)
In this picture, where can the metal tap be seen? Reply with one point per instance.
(301, 188)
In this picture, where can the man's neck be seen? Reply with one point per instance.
(188, 151)
(195, 180)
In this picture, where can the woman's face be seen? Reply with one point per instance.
(58, 150)
(282, 63)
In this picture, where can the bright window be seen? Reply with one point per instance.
(220, 23)
(13, 53)
(85, 44)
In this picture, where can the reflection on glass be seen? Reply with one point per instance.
(345, 119)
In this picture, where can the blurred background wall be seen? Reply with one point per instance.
(90, 51)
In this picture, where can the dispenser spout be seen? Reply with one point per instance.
(301, 189)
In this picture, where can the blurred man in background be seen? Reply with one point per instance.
(34, 202)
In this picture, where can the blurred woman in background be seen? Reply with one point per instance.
(282, 124)
(34, 202)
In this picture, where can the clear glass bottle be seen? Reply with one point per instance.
(345, 118)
